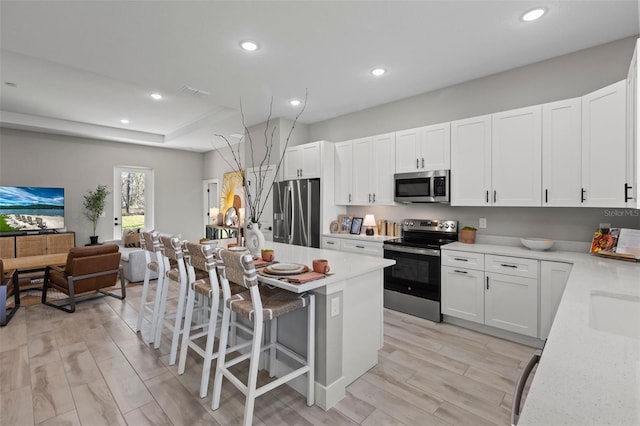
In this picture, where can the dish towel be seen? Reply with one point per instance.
(259, 263)
(306, 277)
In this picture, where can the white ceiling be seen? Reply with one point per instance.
(81, 66)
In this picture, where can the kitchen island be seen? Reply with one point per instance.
(349, 322)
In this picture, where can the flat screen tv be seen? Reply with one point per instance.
(28, 209)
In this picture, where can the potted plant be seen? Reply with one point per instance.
(94, 207)
(468, 235)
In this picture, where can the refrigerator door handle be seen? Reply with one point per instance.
(290, 211)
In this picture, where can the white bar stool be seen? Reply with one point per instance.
(259, 304)
(153, 263)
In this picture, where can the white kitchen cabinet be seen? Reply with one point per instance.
(562, 153)
(463, 293)
(553, 280)
(498, 291)
(302, 161)
(516, 157)
(343, 166)
(633, 151)
(330, 243)
(511, 303)
(353, 245)
(423, 148)
(368, 178)
(604, 146)
(471, 161)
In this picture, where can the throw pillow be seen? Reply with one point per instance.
(132, 239)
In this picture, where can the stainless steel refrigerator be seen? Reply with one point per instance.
(296, 212)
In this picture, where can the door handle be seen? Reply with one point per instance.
(417, 163)
(487, 195)
(626, 192)
(349, 197)
(423, 162)
(461, 259)
(369, 197)
(495, 193)
(487, 283)
(460, 272)
(546, 195)
(506, 265)
(374, 198)
(582, 194)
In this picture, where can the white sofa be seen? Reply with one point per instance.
(133, 262)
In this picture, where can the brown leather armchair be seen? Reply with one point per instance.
(88, 270)
(8, 286)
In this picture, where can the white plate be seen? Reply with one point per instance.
(285, 268)
(237, 248)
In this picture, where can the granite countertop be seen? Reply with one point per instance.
(589, 373)
(343, 265)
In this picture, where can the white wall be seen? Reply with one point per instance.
(564, 77)
(78, 165)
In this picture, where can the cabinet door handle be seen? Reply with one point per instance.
(506, 265)
(461, 259)
(546, 195)
(330, 242)
(487, 196)
(349, 197)
(374, 198)
(423, 162)
(360, 247)
(487, 283)
(369, 197)
(495, 193)
(626, 192)
(417, 163)
(582, 194)
(460, 272)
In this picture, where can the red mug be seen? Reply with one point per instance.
(321, 266)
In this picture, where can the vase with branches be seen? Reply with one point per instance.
(94, 207)
(257, 199)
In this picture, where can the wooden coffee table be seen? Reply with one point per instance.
(26, 263)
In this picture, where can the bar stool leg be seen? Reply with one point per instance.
(273, 337)
(187, 331)
(252, 381)
(177, 325)
(166, 283)
(311, 349)
(222, 351)
(208, 355)
(143, 302)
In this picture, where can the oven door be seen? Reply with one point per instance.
(416, 272)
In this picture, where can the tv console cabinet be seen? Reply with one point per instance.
(36, 244)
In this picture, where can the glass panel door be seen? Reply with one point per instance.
(133, 199)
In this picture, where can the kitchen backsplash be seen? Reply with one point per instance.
(570, 224)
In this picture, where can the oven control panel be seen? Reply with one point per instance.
(430, 225)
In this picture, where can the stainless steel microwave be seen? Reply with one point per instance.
(421, 187)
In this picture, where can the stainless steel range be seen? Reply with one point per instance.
(412, 285)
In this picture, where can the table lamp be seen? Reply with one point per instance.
(370, 223)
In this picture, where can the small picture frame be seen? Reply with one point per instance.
(356, 225)
(344, 223)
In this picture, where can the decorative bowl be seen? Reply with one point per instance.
(537, 243)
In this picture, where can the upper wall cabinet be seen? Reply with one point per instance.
(423, 148)
(496, 159)
(604, 146)
(302, 161)
(471, 161)
(562, 153)
(633, 153)
(516, 155)
(364, 170)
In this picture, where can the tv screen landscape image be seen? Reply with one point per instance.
(25, 208)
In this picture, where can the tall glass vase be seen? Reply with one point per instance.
(254, 238)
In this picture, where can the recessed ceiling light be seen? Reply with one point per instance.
(124, 121)
(156, 96)
(533, 14)
(294, 102)
(378, 71)
(249, 45)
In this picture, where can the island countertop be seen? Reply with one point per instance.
(589, 373)
(344, 266)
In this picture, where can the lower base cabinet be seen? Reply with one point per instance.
(351, 245)
(508, 300)
(553, 280)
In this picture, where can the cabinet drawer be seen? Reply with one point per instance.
(362, 247)
(515, 266)
(463, 259)
(330, 243)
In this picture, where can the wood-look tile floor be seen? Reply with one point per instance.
(90, 368)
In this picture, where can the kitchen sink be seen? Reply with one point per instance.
(615, 313)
